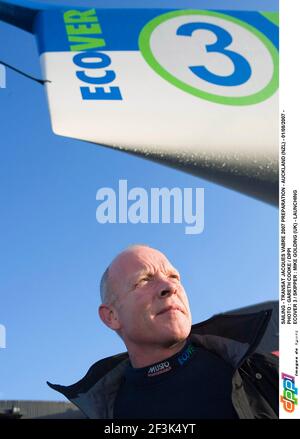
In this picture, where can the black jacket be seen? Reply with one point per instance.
(233, 337)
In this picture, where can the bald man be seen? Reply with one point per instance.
(172, 369)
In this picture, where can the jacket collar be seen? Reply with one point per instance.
(232, 337)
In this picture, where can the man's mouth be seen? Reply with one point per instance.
(171, 308)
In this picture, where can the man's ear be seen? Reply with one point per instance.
(109, 316)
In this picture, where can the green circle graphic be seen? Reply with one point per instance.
(265, 93)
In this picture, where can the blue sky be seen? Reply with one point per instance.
(53, 251)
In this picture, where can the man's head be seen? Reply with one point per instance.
(143, 299)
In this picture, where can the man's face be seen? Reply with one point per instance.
(152, 306)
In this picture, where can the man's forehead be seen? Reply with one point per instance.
(138, 260)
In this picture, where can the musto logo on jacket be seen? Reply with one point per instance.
(174, 362)
(159, 368)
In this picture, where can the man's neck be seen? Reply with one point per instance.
(153, 354)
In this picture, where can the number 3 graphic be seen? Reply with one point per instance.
(242, 69)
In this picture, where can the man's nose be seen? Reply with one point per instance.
(166, 288)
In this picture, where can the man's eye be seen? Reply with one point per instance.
(175, 276)
(142, 280)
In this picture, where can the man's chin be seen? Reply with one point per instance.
(174, 336)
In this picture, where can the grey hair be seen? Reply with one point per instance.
(106, 292)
